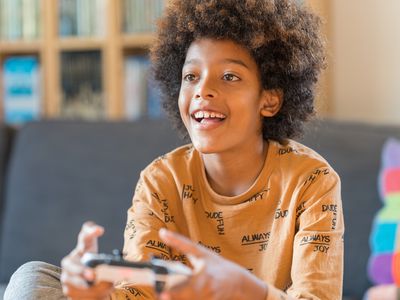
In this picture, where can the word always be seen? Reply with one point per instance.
(321, 242)
(216, 249)
(257, 238)
(159, 246)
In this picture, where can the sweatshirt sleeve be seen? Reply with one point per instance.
(317, 262)
(141, 241)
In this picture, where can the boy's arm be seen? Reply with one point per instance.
(317, 265)
(141, 239)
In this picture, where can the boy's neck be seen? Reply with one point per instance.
(231, 174)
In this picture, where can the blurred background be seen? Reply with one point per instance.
(362, 80)
(88, 59)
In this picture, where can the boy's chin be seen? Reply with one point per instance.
(206, 148)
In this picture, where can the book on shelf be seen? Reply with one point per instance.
(142, 98)
(135, 86)
(21, 82)
(141, 15)
(19, 19)
(82, 17)
(67, 17)
(82, 88)
(30, 19)
(154, 107)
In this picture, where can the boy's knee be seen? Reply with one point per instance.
(37, 270)
(34, 266)
(34, 280)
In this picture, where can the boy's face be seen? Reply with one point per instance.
(221, 99)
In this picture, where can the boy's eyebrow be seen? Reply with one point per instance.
(226, 60)
(236, 61)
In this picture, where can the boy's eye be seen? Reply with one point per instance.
(189, 77)
(230, 77)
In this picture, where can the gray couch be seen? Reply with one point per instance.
(57, 174)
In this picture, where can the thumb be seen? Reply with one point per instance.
(194, 252)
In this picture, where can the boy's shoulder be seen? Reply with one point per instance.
(177, 154)
(295, 153)
(294, 160)
(176, 158)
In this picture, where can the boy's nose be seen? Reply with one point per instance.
(206, 89)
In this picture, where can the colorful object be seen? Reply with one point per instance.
(384, 263)
(21, 80)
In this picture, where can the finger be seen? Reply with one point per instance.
(87, 238)
(73, 280)
(86, 274)
(165, 296)
(182, 290)
(180, 243)
(72, 265)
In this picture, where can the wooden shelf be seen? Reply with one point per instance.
(114, 45)
(19, 47)
(141, 40)
(80, 43)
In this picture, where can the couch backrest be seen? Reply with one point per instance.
(64, 173)
(354, 151)
(6, 139)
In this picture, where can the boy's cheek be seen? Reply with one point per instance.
(184, 112)
(185, 118)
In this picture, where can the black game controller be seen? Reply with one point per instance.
(156, 272)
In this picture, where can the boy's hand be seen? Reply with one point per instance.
(213, 276)
(75, 276)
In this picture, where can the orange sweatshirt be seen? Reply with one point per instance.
(287, 229)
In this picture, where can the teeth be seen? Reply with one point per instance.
(206, 114)
(199, 115)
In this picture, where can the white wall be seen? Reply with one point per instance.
(365, 62)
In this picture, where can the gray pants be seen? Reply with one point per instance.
(35, 280)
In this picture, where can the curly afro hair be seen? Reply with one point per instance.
(282, 36)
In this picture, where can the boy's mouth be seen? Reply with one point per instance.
(203, 116)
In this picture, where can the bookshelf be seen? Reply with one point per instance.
(114, 31)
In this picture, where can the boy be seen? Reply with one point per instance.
(255, 214)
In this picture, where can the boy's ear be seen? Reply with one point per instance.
(271, 102)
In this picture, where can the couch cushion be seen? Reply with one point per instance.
(354, 151)
(64, 173)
